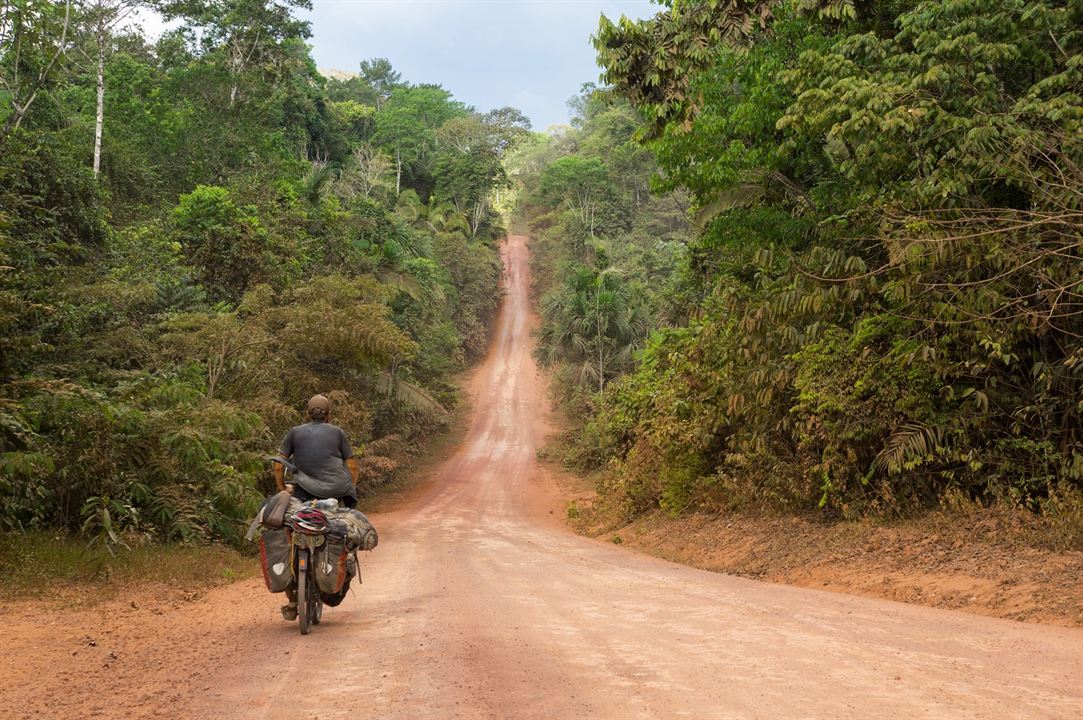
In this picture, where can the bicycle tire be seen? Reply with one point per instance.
(304, 600)
(315, 603)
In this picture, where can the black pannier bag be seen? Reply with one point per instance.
(274, 558)
(335, 599)
(331, 564)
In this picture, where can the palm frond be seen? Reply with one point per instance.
(908, 447)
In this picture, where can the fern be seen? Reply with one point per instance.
(909, 447)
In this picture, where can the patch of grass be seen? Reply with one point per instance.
(37, 564)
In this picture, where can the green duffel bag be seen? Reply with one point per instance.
(274, 557)
(331, 565)
(360, 533)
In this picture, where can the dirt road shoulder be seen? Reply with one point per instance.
(971, 564)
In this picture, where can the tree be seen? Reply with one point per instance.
(34, 38)
(580, 183)
(660, 83)
(378, 74)
(102, 17)
(225, 242)
(608, 124)
(247, 33)
(470, 165)
(368, 171)
(406, 128)
(354, 119)
(467, 179)
(509, 127)
(591, 322)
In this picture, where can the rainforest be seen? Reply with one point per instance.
(819, 258)
(749, 386)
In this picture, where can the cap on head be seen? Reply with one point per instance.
(320, 404)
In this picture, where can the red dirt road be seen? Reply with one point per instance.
(478, 605)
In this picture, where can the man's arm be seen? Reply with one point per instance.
(280, 476)
(346, 450)
(286, 450)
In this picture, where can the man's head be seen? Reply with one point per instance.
(319, 408)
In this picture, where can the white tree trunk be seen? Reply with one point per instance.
(236, 65)
(398, 172)
(99, 118)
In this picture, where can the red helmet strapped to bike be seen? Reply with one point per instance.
(309, 521)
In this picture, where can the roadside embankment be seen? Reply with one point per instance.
(981, 562)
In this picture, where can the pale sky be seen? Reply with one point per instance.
(532, 54)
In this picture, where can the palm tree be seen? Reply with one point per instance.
(591, 322)
(435, 216)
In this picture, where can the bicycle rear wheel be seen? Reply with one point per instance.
(315, 602)
(304, 598)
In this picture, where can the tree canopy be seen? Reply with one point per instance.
(879, 309)
(242, 244)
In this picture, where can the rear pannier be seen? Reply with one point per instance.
(331, 565)
(274, 557)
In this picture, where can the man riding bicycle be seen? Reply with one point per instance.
(325, 468)
(321, 452)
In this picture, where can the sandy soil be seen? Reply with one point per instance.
(478, 604)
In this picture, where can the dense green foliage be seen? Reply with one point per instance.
(604, 246)
(257, 234)
(802, 255)
(882, 306)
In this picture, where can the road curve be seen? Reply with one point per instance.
(474, 607)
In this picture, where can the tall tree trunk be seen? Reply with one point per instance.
(598, 319)
(476, 216)
(99, 118)
(398, 172)
(13, 121)
(236, 64)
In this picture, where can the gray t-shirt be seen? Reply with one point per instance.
(319, 450)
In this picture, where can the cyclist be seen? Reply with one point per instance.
(326, 468)
(323, 457)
